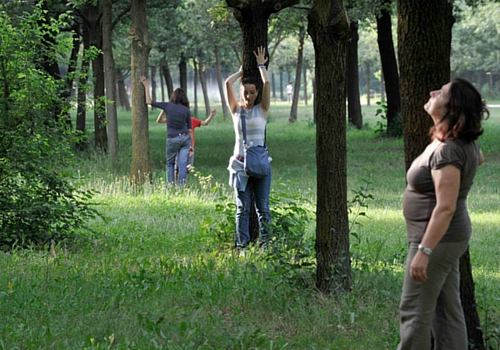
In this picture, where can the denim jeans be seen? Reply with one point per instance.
(177, 147)
(261, 189)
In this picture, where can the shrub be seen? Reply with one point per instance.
(38, 201)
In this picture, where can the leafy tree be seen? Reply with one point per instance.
(38, 201)
(329, 29)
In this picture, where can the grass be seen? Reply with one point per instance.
(159, 274)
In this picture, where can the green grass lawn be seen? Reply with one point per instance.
(160, 273)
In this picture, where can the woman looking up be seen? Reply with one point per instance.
(437, 221)
(253, 104)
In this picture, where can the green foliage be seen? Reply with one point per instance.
(37, 201)
(381, 125)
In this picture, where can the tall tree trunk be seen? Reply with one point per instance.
(110, 79)
(298, 72)
(183, 72)
(282, 87)
(152, 79)
(353, 99)
(140, 47)
(81, 111)
(273, 86)
(162, 86)
(195, 87)
(168, 78)
(202, 68)
(469, 305)
(220, 83)
(368, 76)
(92, 27)
(424, 65)
(122, 91)
(389, 69)
(329, 29)
(304, 73)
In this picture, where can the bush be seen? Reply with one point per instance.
(38, 201)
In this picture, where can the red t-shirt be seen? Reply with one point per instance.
(195, 123)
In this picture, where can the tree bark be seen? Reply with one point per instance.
(220, 83)
(424, 59)
(389, 69)
(329, 29)
(353, 99)
(140, 47)
(122, 91)
(202, 70)
(304, 73)
(183, 72)
(92, 16)
(110, 80)
(298, 72)
(469, 304)
(152, 79)
(195, 87)
(168, 78)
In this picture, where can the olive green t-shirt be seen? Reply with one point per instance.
(419, 198)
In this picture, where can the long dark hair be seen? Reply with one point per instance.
(465, 112)
(179, 97)
(258, 86)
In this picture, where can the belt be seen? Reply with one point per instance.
(179, 135)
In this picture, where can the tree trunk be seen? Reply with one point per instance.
(140, 47)
(467, 296)
(353, 99)
(122, 91)
(168, 78)
(152, 79)
(273, 86)
(81, 111)
(220, 83)
(389, 69)
(368, 75)
(304, 73)
(281, 86)
(110, 80)
(92, 24)
(329, 29)
(202, 68)
(424, 65)
(298, 72)
(195, 87)
(183, 72)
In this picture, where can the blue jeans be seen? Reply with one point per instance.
(178, 146)
(261, 189)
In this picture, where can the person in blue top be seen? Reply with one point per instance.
(179, 130)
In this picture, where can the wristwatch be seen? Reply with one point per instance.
(425, 250)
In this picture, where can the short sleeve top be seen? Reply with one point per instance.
(419, 198)
(178, 117)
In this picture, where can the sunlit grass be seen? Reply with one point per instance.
(151, 275)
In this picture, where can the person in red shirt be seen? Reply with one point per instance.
(195, 123)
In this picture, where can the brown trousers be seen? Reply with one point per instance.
(434, 306)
